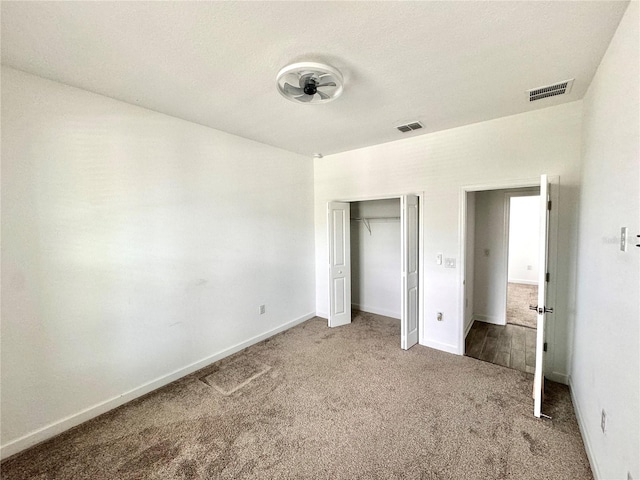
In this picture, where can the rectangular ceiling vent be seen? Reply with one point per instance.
(409, 127)
(559, 88)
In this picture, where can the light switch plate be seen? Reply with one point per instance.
(623, 239)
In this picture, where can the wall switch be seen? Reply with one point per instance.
(603, 420)
(623, 239)
(262, 309)
(439, 317)
(449, 263)
(439, 259)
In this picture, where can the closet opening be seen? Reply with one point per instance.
(373, 262)
(376, 272)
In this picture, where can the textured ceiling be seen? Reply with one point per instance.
(444, 63)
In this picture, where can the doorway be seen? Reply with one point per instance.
(384, 281)
(522, 258)
(483, 287)
(505, 272)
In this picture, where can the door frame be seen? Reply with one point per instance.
(552, 253)
(420, 196)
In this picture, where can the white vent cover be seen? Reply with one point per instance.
(409, 127)
(559, 88)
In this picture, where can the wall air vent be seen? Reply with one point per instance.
(409, 127)
(559, 88)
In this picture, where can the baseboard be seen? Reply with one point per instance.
(71, 421)
(583, 431)
(524, 282)
(558, 377)
(377, 311)
(445, 347)
(324, 315)
(468, 329)
(489, 319)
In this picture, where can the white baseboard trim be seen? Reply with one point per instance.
(377, 311)
(585, 435)
(71, 421)
(558, 377)
(324, 315)
(445, 347)
(524, 282)
(469, 327)
(489, 319)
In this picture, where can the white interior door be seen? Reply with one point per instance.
(339, 226)
(542, 309)
(409, 320)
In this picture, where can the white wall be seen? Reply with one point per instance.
(490, 283)
(524, 224)
(605, 368)
(136, 247)
(439, 164)
(375, 258)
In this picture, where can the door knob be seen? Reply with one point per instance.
(541, 310)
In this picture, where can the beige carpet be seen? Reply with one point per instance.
(519, 297)
(324, 403)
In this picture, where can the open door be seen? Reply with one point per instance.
(339, 218)
(541, 308)
(409, 247)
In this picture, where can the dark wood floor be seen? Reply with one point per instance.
(511, 346)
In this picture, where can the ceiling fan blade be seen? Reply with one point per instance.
(304, 98)
(291, 90)
(323, 96)
(330, 84)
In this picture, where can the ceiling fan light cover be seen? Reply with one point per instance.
(310, 83)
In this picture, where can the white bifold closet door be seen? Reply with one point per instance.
(339, 227)
(409, 290)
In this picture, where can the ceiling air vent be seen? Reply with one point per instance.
(559, 88)
(409, 127)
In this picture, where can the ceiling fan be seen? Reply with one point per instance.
(310, 83)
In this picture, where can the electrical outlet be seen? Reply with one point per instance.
(439, 317)
(603, 421)
(262, 309)
(449, 263)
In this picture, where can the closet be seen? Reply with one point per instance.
(376, 273)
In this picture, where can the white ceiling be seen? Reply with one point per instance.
(214, 63)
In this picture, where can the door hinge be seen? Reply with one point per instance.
(544, 348)
(547, 277)
(549, 205)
